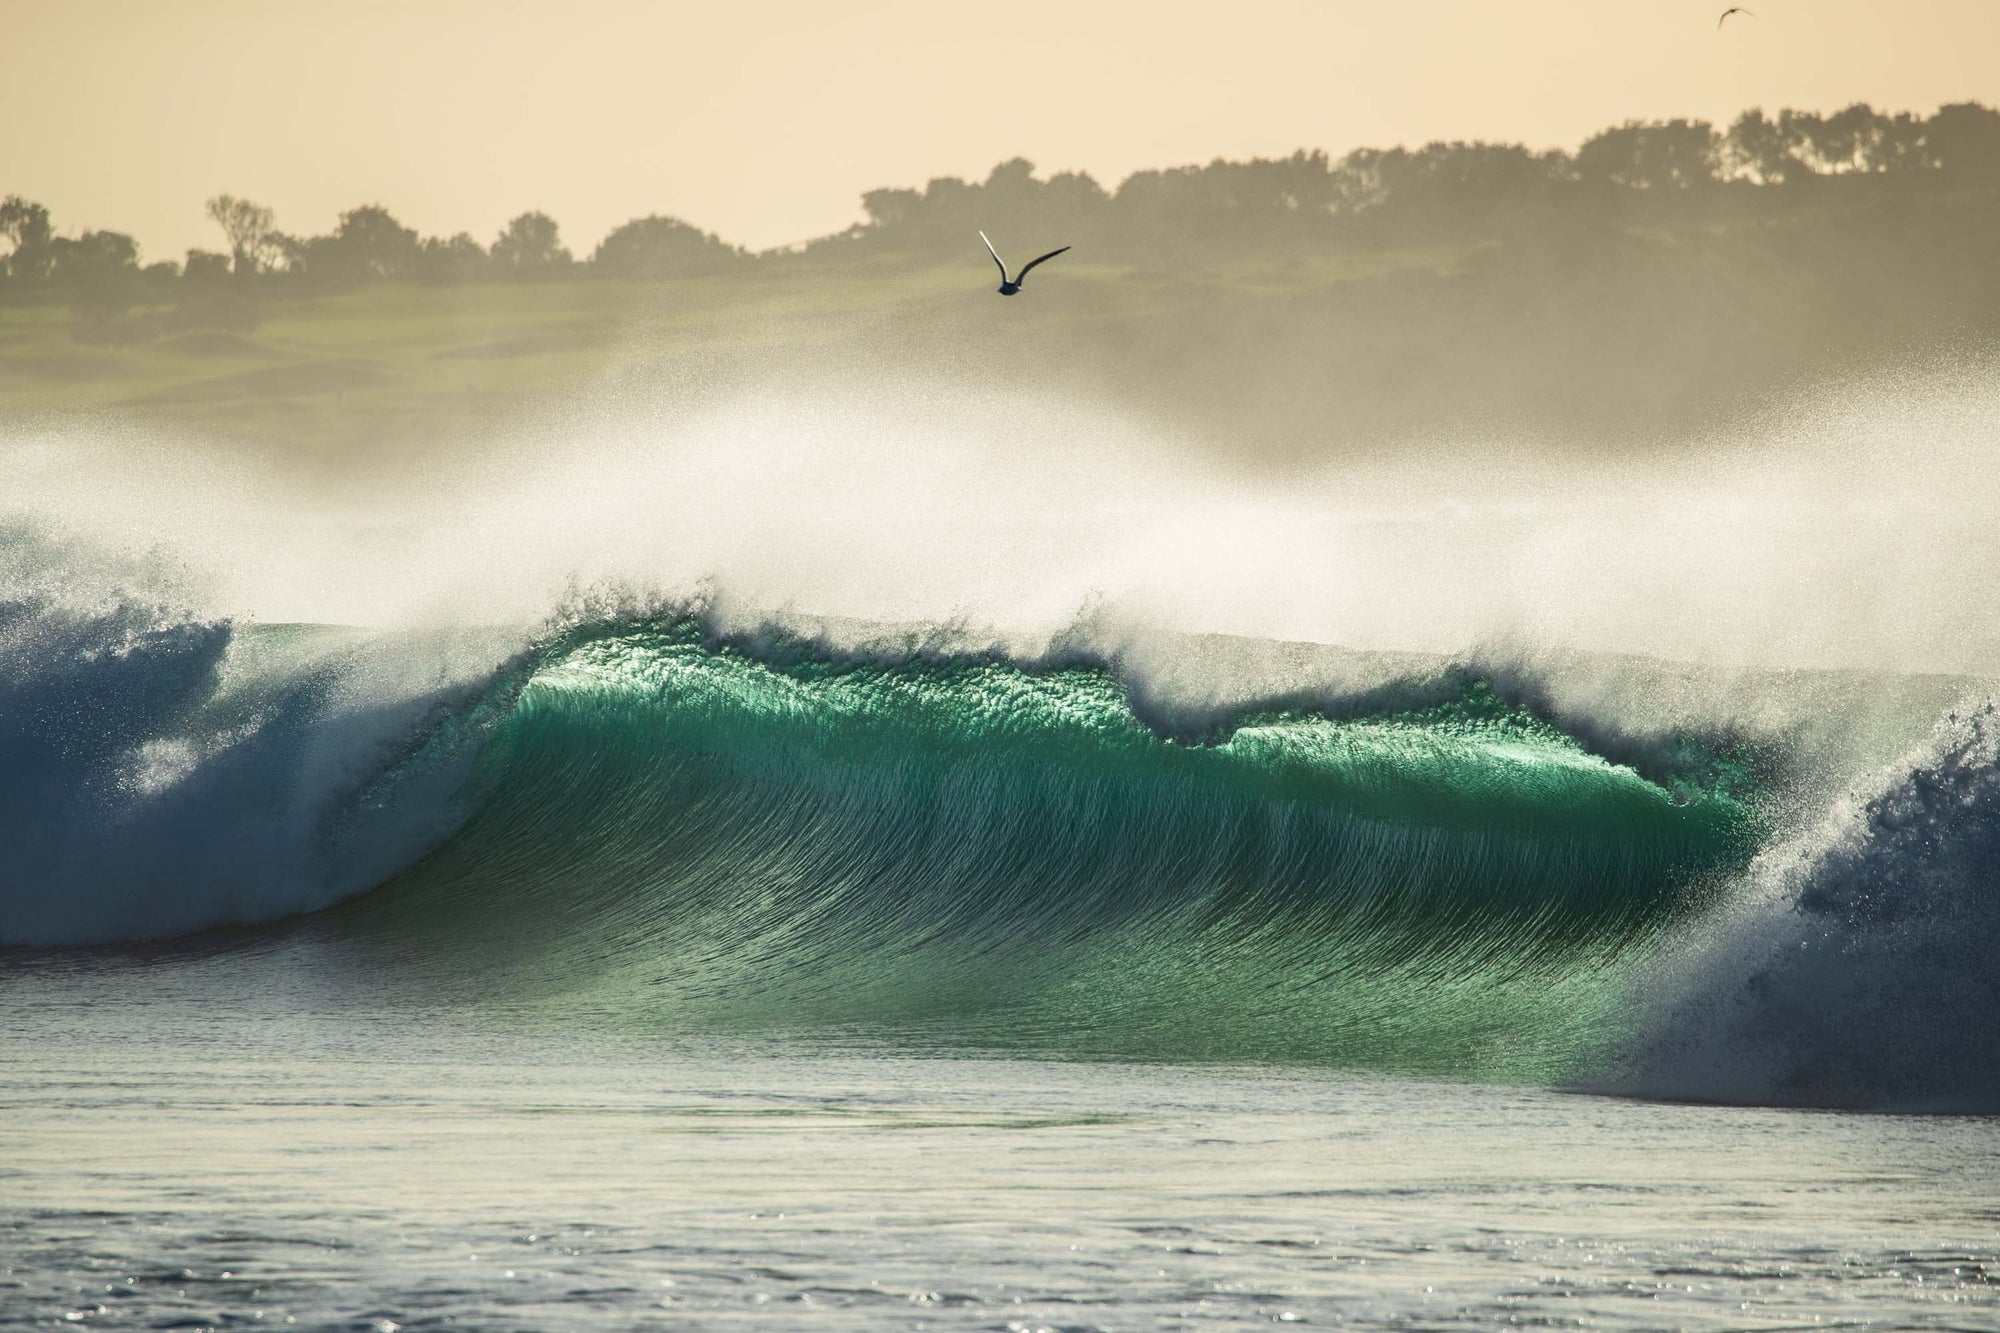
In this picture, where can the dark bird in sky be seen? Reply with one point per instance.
(1008, 286)
(1733, 9)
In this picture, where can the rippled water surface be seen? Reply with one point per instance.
(175, 1158)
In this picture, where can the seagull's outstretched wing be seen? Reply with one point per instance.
(1733, 9)
(996, 258)
(1022, 276)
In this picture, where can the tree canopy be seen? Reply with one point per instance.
(661, 247)
(531, 246)
(1445, 192)
(250, 229)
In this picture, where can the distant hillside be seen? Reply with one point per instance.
(1658, 278)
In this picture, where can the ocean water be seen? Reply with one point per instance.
(722, 978)
(181, 1153)
(663, 959)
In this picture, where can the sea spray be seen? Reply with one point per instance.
(162, 771)
(1860, 964)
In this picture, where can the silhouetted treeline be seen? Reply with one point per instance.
(1637, 172)
(99, 276)
(1675, 172)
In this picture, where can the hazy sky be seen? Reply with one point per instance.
(765, 119)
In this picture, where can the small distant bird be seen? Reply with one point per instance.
(1733, 9)
(1008, 286)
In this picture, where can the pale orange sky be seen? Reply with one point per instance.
(765, 119)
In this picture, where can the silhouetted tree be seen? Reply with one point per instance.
(1010, 188)
(93, 258)
(451, 259)
(1855, 140)
(210, 298)
(1895, 143)
(383, 245)
(205, 268)
(1964, 140)
(950, 203)
(531, 246)
(1073, 195)
(1757, 147)
(1012, 203)
(98, 273)
(1660, 155)
(1444, 176)
(26, 227)
(250, 230)
(288, 253)
(368, 244)
(892, 208)
(661, 247)
(1841, 142)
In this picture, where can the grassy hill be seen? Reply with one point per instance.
(1595, 333)
(392, 366)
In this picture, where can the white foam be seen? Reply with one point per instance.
(164, 772)
(1857, 966)
(1844, 532)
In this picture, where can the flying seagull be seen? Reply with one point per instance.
(1008, 286)
(1733, 9)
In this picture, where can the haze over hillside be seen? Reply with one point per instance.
(1662, 276)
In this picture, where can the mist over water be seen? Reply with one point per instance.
(1670, 652)
(1841, 531)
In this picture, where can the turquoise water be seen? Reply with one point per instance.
(689, 834)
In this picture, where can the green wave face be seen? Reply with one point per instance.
(675, 833)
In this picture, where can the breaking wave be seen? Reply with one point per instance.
(1860, 965)
(657, 821)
